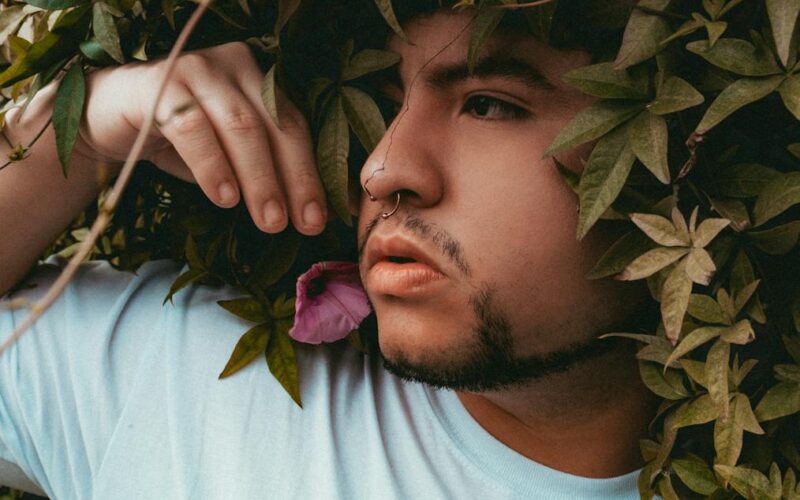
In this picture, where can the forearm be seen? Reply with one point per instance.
(36, 201)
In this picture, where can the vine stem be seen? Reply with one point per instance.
(512, 6)
(110, 203)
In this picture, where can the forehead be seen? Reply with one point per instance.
(443, 38)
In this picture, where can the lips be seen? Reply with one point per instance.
(399, 267)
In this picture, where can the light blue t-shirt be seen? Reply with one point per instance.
(113, 395)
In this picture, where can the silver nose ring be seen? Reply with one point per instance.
(386, 215)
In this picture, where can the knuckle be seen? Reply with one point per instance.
(192, 63)
(242, 121)
(189, 121)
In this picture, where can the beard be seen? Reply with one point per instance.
(488, 361)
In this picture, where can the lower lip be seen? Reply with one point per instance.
(391, 278)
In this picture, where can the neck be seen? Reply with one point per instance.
(586, 421)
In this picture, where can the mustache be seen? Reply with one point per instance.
(447, 244)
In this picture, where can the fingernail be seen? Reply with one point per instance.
(227, 193)
(274, 214)
(312, 214)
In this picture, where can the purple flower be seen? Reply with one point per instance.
(330, 303)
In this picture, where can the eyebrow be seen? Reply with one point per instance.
(446, 75)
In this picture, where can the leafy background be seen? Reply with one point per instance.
(697, 152)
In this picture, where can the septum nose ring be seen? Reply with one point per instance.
(385, 215)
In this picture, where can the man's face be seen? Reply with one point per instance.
(496, 292)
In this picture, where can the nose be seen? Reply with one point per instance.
(407, 161)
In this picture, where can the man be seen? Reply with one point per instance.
(468, 257)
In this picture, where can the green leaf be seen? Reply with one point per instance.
(715, 31)
(737, 56)
(275, 260)
(332, 151)
(694, 340)
(783, 18)
(67, 113)
(602, 179)
(741, 333)
(698, 411)
(269, 95)
(744, 295)
(743, 180)
(593, 122)
(368, 61)
(695, 473)
(651, 262)
(364, 117)
(696, 370)
(743, 414)
(706, 309)
(790, 93)
(55, 4)
(716, 376)
(540, 20)
(246, 308)
(643, 34)
(648, 140)
(659, 229)
(781, 400)
(184, 280)
(620, 254)
(778, 240)
(748, 482)
(387, 11)
(735, 96)
(282, 361)
(777, 196)
(483, 25)
(674, 95)
(251, 345)
(602, 80)
(572, 178)
(105, 31)
(667, 384)
(675, 300)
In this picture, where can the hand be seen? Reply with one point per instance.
(213, 130)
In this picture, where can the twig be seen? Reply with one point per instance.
(30, 144)
(512, 6)
(107, 210)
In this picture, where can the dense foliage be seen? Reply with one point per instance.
(697, 132)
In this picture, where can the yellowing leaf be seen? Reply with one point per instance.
(699, 266)
(695, 474)
(643, 34)
(648, 139)
(716, 376)
(667, 384)
(674, 95)
(748, 482)
(783, 18)
(332, 150)
(602, 179)
(651, 262)
(251, 345)
(675, 300)
(105, 31)
(269, 96)
(659, 229)
(777, 196)
(593, 122)
(706, 309)
(781, 400)
(282, 361)
(694, 340)
(741, 333)
(708, 230)
(735, 96)
(364, 117)
(387, 11)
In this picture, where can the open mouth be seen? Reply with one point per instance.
(400, 260)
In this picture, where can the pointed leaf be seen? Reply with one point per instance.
(698, 411)
(364, 117)
(741, 333)
(708, 230)
(696, 370)
(105, 31)
(737, 56)
(648, 139)
(286, 8)
(743, 180)
(643, 34)
(778, 240)
(55, 4)
(706, 309)
(250, 346)
(777, 196)
(695, 474)
(620, 254)
(387, 11)
(483, 25)
(602, 80)
(651, 262)
(743, 414)
(783, 18)
(282, 361)
(694, 340)
(184, 280)
(699, 266)
(781, 400)
(246, 308)
(787, 373)
(790, 93)
(369, 61)
(715, 31)
(332, 151)
(10, 18)
(735, 96)
(674, 95)
(794, 149)
(67, 113)
(675, 300)
(659, 229)
(593, 122)
(748, 482)
(269, 97)
(744, 295)
(602, 179)
(667, 384)
(716, 376)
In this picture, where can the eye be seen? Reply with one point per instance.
(485, 107)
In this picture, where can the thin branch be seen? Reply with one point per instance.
(512, 6)
(30, 144)
(107, 210)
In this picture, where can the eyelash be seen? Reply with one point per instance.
(510, 111)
